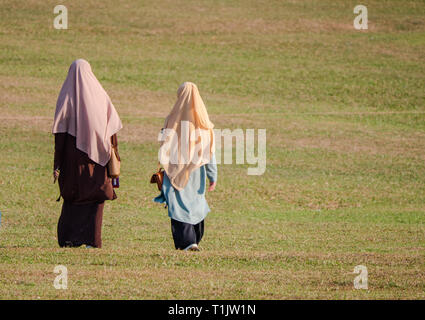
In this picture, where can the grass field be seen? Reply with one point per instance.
(345, 117)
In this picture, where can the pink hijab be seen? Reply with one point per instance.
(85, 111)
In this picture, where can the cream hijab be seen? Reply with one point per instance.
(85, 111)
(194, 145)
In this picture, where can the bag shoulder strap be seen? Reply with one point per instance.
(114, 141)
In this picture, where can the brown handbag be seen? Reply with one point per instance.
(158, 177)
(114, 164)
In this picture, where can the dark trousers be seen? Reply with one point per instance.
(185, 234)
(80, 224)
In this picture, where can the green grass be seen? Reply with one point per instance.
(345, 117)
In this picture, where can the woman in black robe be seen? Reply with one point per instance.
(85, 128)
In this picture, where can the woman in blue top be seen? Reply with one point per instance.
(187, 155)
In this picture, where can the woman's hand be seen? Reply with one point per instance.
(212, 186)
(55, 175)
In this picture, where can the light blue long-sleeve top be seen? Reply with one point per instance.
(189, 205)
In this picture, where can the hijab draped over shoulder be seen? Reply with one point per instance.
(187, 135)
(85, 111)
